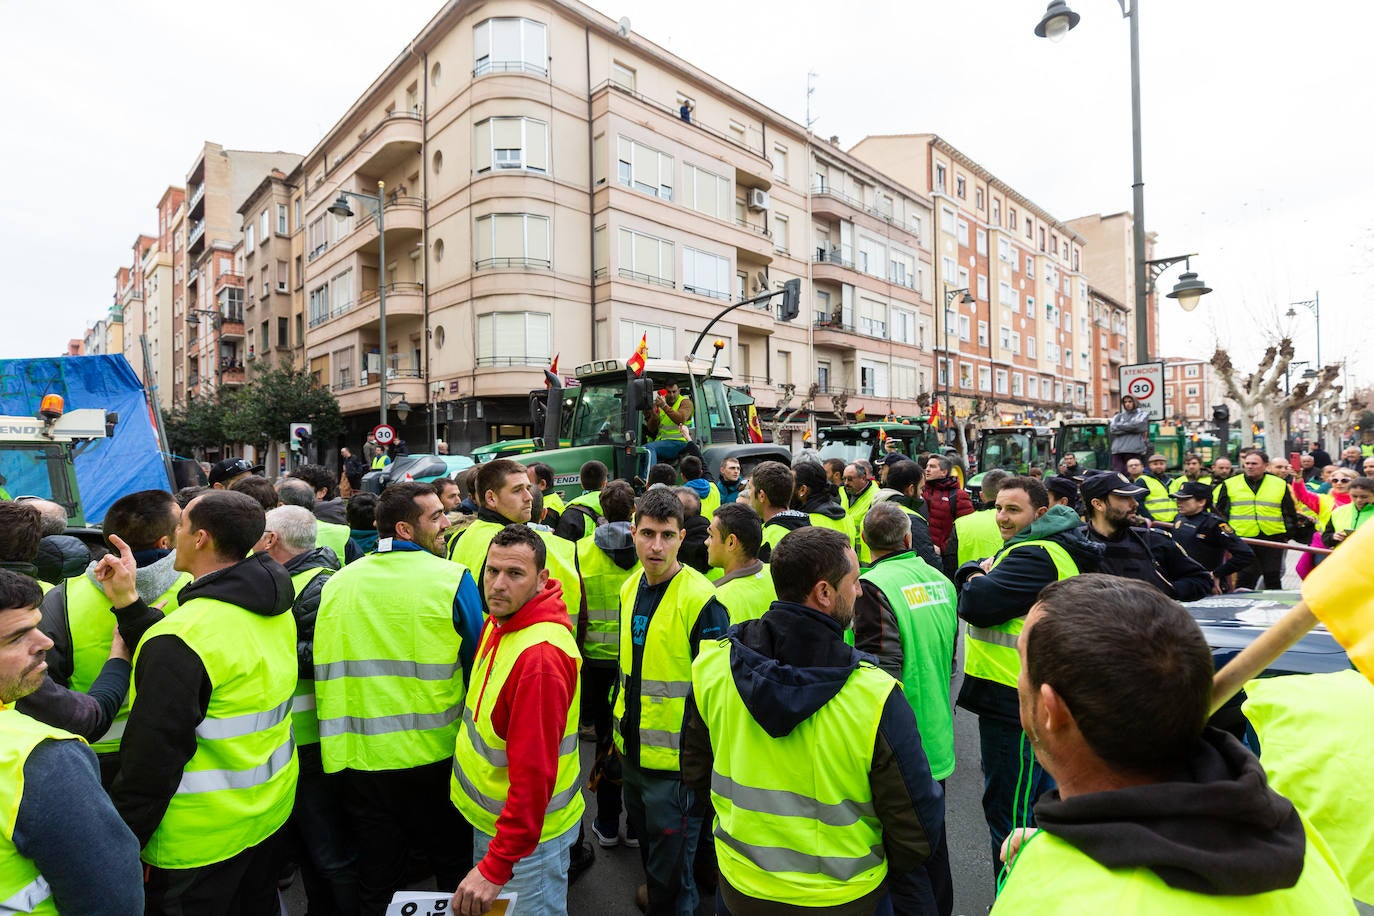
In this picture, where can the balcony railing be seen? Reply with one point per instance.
(820, 189)
(193, 380)
(832, 256)
(392, 202)
(639, 277)
(197, 230)
(392, 289)
(508, 263)
(675, 113)
(708, 293)
(196, 197)
(833, 325)
(508, 66)
(753, 227)
(512, 361)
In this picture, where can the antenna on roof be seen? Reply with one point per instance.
(623, 27)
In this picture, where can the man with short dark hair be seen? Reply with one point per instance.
(63, 847)
(541, 476)
(772, 729)
(818, 498)
(729, 483)
(1154, 811)
(733, 540)
(666, 613)
(516, 776)
(329, 506)
(662, 474)
(694, 478)
(834, 471)
(21, 530)
(261, 489)
(396, 631)
(583, 512)
(212, 696)
(692, 547)
(770, 495)
(976, 535)
(1260, 505)
(1145, 554)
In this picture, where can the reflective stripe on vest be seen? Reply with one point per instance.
(925, 605)
(747, 597)
(22, 888)
(388, 679)
(305, 725)
(601, 581)
(1255, 513)
(795, 818)
(480, 783)
(1157, 500)
(991, 651)
(978, 534)
(667, 429)
(90, 622)
(665, 666)
(238, 788)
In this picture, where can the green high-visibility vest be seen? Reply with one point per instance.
(842, 525)
(1348, 518)
(238, 788)
(1157, 500)
(591, 499)
(335, 537)
(667, 429)
(794, 815)
(978, 534)
(480, 783)
(470, 550)
(854, 513)
(602, 580)
(991, 651)
(388, 679)
(927, 622)
(91, 623)
(1177, 483)
(1050, 872)
(1255, 513)
(380, 462)
(304, 721)
(1314, 758)
(747, 597)
(553, 502)
(710, 502)
(665, 675)
(22, 888)
(774, 533)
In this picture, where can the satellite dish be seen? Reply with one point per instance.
(623, 26)
(761, 279)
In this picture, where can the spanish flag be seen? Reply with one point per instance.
(860, 415)
(640, 357)
(882, 436)
(755, 431)
(551, 373)
(935, 414)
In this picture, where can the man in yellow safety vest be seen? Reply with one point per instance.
(732, 546)
(1257, 504)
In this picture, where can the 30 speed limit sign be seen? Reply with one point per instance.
(385, 435)
(1145, 383)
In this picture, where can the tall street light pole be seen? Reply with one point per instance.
(965, 299)
(1313, 305)
(340, 207)
(1054, 25)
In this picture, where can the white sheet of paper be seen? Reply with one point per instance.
(435, 903)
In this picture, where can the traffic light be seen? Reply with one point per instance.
(791, 300)
(1221, 419)
(1221, 413)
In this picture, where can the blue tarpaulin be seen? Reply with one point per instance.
(107, 468)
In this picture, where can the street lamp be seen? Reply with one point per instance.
(1313, 305)
(377, 204)
(1054, 25)
(965, 299)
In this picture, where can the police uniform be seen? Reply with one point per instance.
(1208, 539)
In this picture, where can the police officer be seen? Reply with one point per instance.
(1205, 537)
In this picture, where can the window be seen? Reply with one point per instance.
(661, 340)
(1011, 217)
(1004, 337)
(506, 45)
(905, 382)
(939, 177)
(1033, 386)
(343, 368)
(1068, 358)
(1000, 377)
(512, 240)
(645, 258)
(982, 333)
(707, 192)
(644, 169)
(296, 211)
(1030, 266)
(996, 212)
(623, 76)
(283, 332)
(964, 327)
(1190, 370)
(872, 317)
(965, 375)
(1030, 347)
(784, 370)
(319, 305)
(511, 143)
(960, 186)
(1005, 296)
(1030, 306)
(981, 237)
(872, 378)
(513, 339)
(902, 269)
(248, 235)
(872, 256)
(705, 274)
(946, 220)
(1018, 385)
(947, 269)
(1190, 391)
(282, 276)
(823, 313)
(963, 232)
(984, 378)
(780, 162)
(963, 278)
(1004, 251)
(780, 233)
(978, 198)
(266, 226)
(903, 326)
(941, 371)
(341, 295)
(266, 284)
(281, 219)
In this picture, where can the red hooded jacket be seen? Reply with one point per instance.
(530, 714)
(945, 501)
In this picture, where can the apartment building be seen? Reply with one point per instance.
(1191, 387)
(1018, 346)
(161, 282)
(1109, 261)
(209, 335)
(1112, 335)
(266, 258)
(554, 184)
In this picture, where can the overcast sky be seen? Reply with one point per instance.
(1256, 123)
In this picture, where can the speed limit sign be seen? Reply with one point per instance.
(1145, 383)
(385, 435)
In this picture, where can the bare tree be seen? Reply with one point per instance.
(785, 412)
(1262, 390)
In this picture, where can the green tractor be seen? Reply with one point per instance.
(602, 418)
(1087, 439)
(1014, 449)
(866, 441)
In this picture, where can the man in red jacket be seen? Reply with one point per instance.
(515, 767)
(945, 501)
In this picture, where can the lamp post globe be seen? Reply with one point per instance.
(1057, 21)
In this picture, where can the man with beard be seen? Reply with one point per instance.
(1144, 554)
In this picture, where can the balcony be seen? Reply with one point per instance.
(196, 198)
(512, 264)
(402, 300)
(231, 372)
(395, 141)
(195, 233)
(834, 334)
(228, 280)
(826, 202)
(363, 395)
(231, 329)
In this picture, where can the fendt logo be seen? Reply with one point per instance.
(31, 430)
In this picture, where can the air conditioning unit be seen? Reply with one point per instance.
(758, 199)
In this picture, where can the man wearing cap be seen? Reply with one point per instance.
(1063, 491)
(223, 474)
(1205, 537)
(1145, 554)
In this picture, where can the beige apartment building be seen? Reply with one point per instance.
(1021, 349)
(1112, 336)
(266, 260)
(555, 185)
(1109, 259)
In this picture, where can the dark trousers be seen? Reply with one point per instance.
(244, 885)
(597, 682)
(395, 812)
(1268, 562)
(927, 890)
(1012, 781)
(658, 809)
(323, 841)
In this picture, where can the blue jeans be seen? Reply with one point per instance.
(664, 450)
(658, 810)
(1008, 763)
(540, 880)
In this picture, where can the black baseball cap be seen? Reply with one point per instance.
(1193, 490)
(230, 468)
(1099, 486)
(1063, 486)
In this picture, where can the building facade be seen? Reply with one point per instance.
(266, 257)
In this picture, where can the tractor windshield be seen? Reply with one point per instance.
(600, 416)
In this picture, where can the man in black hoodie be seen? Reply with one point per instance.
(1154, 811)
(819, 498)
(780, 699)
(208, 766)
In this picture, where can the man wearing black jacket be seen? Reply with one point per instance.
(1145, 554)
(903, 487)
(770, 494)
(231, 645)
